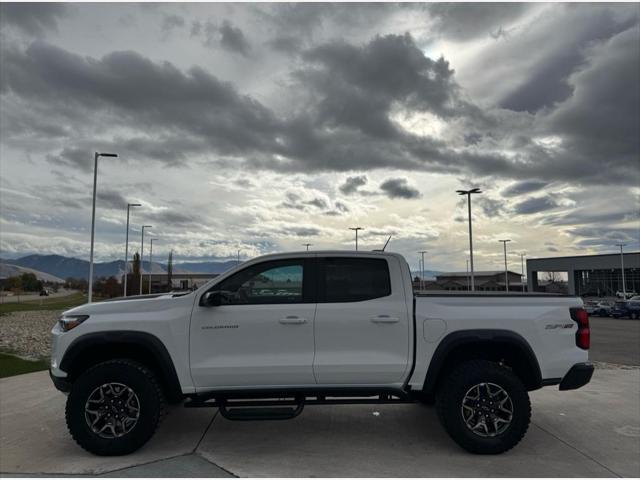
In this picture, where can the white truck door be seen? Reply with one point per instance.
(362, 321)
(262, 332)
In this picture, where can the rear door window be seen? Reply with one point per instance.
(353, 279)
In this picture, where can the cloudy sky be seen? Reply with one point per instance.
(261, 127)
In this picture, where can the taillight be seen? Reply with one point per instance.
(583, 335)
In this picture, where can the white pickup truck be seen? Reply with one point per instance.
(283, 331)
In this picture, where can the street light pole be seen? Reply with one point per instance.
(468, 286)
(126, 247)
(468, 193)
(522, 270)
(142, 255)
(356, 230)
(422, 252)
(151, 262)
(93, 217)
(506, 272)
(624, 288)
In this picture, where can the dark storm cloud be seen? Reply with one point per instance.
(76, 158)
(525, 186)
(318, 203)
(351, 184)
(599, 123)
(111, 199)
(399, 188)
(34, 19)
(491, 207)
(369, 78)
(466, 21)
(173, 115)
(144, 94)
(171, 22)
(232, 39)
(286, 44)
(547, 82)
(535, 205)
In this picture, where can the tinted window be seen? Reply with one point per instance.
(354, 279)
(269, 282)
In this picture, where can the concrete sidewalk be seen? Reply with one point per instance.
(590, 432)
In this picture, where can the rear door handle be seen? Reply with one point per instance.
(385, 319)
(292, 320)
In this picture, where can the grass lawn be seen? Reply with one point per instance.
(59, 303)
(11, 365)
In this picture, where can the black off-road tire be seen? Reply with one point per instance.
(449, 406)
(122, 371)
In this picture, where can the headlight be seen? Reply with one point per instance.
(67, 322)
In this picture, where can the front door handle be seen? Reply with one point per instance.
(385, 319)
(292, 320)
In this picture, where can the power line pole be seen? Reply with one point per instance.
(506, 272)
(356, 230)
(468, 193)
(238, 257)
(307, 245)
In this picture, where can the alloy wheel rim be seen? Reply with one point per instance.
(112, 410)
(487, 409)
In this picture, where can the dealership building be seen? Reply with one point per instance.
(587, 275)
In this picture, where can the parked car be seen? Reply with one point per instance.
(350, 330)
(633, 307)
(627, 295)
(620, 309)
(591, 307)
(603, 309)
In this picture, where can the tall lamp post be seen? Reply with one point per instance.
(151, 261)
(93, 216)
(126, 247)
(624, 288)
(468, 286)
(142, 254)
(355, 229)
(506, 272)
(522, 270)
(468, 193)
(422, 252)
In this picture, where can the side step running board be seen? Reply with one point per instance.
(231, 412)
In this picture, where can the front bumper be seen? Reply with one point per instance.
(60, 383)
(578, 376)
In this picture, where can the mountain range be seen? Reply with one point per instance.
(66, 267)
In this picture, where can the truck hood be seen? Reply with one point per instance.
(132, 304)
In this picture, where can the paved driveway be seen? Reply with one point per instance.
(592, 432)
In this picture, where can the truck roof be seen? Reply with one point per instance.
(346, 253)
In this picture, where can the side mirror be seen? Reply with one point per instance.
(212, 299)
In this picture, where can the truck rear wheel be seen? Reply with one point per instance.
(484, 407)
(114, 407)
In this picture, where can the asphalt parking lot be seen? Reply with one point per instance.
(591, 432)
(615, 340)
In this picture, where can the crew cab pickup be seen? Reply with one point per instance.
(285, 331)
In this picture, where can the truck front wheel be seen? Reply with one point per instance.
(484, 407)
(114, 407)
